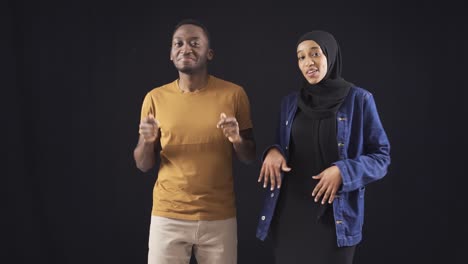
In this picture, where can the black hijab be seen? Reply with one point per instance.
(323, 99)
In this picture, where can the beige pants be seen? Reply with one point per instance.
(213, 242)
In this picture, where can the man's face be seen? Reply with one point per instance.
(190, 49)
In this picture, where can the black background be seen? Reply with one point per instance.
(77, 72)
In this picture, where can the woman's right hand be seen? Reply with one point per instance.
(272, 166)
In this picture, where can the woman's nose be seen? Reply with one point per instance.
(309, 61)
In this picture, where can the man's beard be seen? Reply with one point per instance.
(187, 70)
(190, 69)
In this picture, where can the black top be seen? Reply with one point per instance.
(313, 148)
(303, 231)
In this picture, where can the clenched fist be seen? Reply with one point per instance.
(230, 128)
(149, 129)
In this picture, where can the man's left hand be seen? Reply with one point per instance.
(230, 128)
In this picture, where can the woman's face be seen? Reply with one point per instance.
(312, 62)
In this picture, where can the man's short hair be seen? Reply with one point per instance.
(194, 22)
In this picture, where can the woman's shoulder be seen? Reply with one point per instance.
(359, 94)
(289, 98)
(359, 91)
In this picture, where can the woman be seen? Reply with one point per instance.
(330, 145)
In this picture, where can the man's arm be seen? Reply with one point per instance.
(242, 141)
(145, 151)
(245, 148)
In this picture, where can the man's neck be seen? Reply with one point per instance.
(192, 82)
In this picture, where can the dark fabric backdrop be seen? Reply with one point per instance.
(77, 71)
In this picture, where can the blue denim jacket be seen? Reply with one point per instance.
(364, 155)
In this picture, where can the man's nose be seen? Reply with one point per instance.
(187, 49)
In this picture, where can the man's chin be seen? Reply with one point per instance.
(189, 69)
(186, 70)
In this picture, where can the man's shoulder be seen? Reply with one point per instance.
(162, 88)
(224, 84)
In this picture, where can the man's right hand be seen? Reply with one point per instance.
(149, 129)
(272, 166)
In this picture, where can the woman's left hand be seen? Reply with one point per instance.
(329, 182)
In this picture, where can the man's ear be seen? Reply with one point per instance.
(210, 54)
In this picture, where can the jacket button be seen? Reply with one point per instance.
(339, 222)
(341, 118)
(287, 122)
(286, 147)
(272, 195)
(340, 144)
(263, 217)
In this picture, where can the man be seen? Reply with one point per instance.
(194, 123)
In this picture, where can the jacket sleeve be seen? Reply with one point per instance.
(277, 143)
(373, 163)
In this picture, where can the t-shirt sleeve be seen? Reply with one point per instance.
(243, 110)
(148, 107)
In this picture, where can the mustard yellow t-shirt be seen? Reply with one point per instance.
(195, 174)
